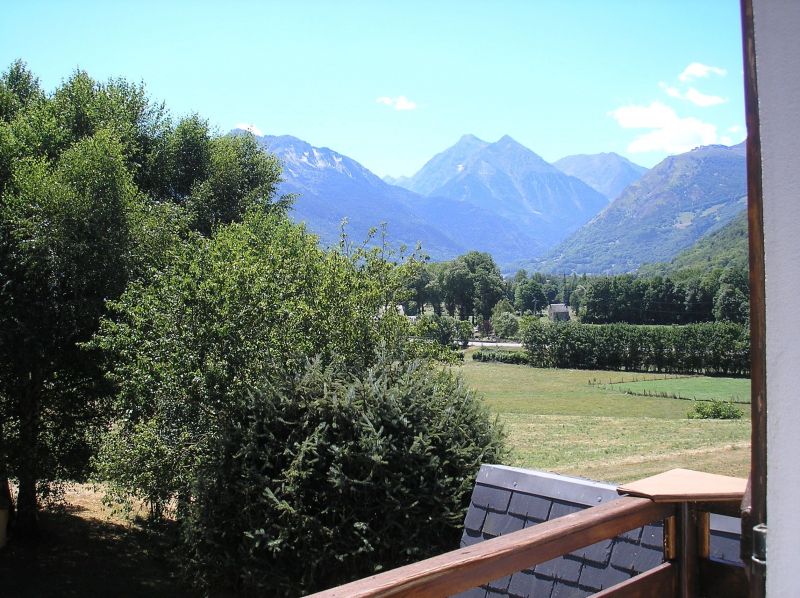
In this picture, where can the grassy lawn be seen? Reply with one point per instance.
(558, 421)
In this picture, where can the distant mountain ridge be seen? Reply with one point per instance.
(444, 166)
(607, 173)
(331, 187)
(510, 180)
(506, 200)
(678, 201)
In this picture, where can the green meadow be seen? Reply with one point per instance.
(591, 424)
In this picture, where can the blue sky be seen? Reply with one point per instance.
(392, 83)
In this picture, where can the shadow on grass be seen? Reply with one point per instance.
(78, 556)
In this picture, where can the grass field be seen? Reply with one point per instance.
(702, 388)
(556, 420)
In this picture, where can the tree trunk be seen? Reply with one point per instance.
(27, 518)
(6, 500)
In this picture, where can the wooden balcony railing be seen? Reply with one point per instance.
(685, 572)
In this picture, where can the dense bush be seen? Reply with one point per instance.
(515, 357)
(710, 348)
(714, 409)
(327, 478)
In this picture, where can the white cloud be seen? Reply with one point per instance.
(249, 127)
(735, 129)
(725, 140)
(398, 103)
(698, 70)
(692, 95)
(672, 92)
(700, 99)
(670, 133)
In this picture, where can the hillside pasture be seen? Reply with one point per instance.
(586, 423)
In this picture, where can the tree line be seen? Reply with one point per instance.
(472, 287)
(720, 295)
(706, 348)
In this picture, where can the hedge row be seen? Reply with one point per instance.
(515, 357)
(708, 348)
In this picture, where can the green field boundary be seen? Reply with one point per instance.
(621, 387)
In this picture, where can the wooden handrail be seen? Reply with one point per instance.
(659, 581)
(472, 566)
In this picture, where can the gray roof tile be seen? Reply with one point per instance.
(725, 548)
(500, 585)
(530, 506)
(502, 523)
(570, 570)
(471, 537)
(635, 557)
(475, 518)
(634, 535)
(559, 509)
(567, 590)
(599, 578)
(473, 593)
(653, 535)
(560, 568)
(542, 586)
(521, 584)
(596, 554)
(491, 497)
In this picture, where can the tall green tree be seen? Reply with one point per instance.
(529, 296)
(473, 284)
(240, 176)
(97, 189)
(65, 247)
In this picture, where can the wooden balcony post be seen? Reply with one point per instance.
(687, 551)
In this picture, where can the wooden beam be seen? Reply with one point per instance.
(660, 581)
(730, 508)
(480, 563)
(756, 510)
(687, 555)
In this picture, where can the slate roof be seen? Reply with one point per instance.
(507, 499)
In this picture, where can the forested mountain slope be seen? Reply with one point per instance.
(681, 199)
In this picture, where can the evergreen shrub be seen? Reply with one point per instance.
(332, 478)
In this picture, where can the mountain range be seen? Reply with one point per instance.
(512, 181)
(504, 199)
(677, 202)
(496, 197)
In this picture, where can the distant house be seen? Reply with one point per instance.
(557, 312)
